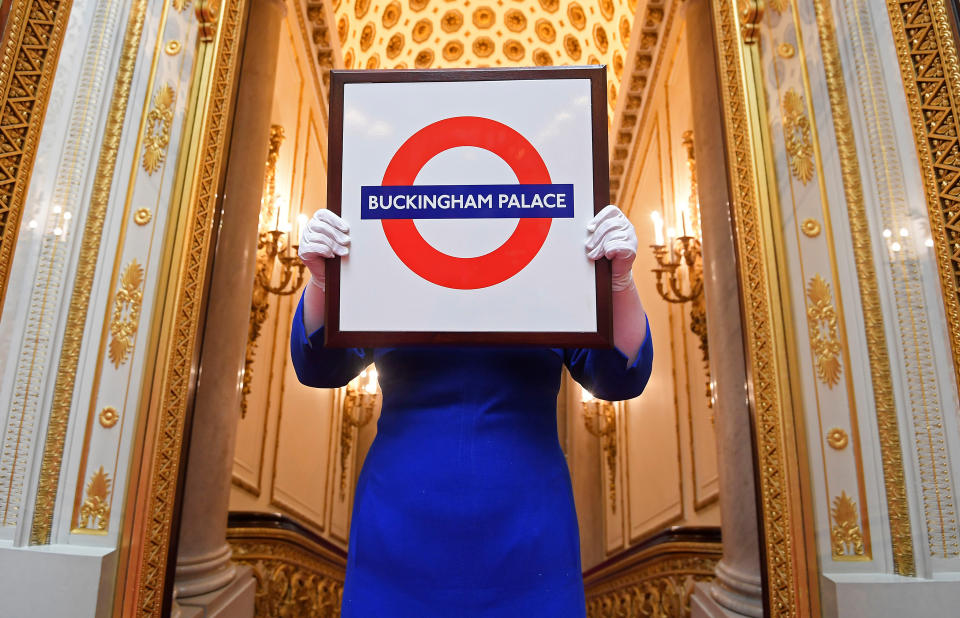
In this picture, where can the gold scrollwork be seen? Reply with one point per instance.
(750, 13)
(157, 131)
(796, 135)
(845, 534)
(822, 323)
(126, 313)
(95, 512)
(657, 583)
(179, 5)
(109, 417)
(207, 12)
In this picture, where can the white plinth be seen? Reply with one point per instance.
(874, 596)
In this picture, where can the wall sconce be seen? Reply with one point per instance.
(273, 247)
(683, 269)
(600, 419)
(359, 400)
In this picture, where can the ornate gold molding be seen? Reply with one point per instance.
(796, 132)
(95, 511)
(157, 134)
(930, 70)
(212, 90)
(880, 373)
(83, 282)
(31, 48)
(785, 542)
(845, 534)
(126, 313)
(822, 325)
(295, 575)
(656, 582)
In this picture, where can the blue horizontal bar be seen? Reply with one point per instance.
(553, 201)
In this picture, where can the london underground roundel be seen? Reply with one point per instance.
(398, 203)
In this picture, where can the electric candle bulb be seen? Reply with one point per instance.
(657, 228)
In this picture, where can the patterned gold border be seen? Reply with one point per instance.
(295, 576)
(217, 67)
(891, 453)
(785, 545)
(31, 49)
(657, 581)
(83, 283)
(928, 64)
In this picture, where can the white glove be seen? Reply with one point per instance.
(324, 236)
(611, 235)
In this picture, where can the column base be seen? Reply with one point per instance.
(732, 593)
(235, 600)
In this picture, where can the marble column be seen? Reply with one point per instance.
(736, 591)
(207, 582)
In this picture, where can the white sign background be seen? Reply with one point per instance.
(555, 292)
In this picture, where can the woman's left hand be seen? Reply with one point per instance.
(611, 235)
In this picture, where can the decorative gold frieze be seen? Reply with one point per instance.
(822, 324)
(295, 576)
(810, 227)
(109, 417)
(126, 313)
(83, 281)
(796, 135)
(837, 438)
(31, 47)
(95, 511)
(657, 583)
(845, 534)
(142, 216)
(157, 130)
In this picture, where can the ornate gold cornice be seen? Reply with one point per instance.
(656, 581)
(31, 48)
(930, 70)
(639, 76)
(83, 282)
(890, 446)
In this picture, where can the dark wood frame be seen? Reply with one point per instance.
(601, 337)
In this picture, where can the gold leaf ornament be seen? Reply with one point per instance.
(95, 511)
(846, 536)
(797, 137)
(822, 324)
(126, 313)
(157, 131)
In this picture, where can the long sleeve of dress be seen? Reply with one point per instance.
(604, 372)
(320, 366)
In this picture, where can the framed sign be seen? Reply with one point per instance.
(468, 194)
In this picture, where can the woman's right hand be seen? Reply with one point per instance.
(324, 236)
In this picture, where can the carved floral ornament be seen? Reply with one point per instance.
(157, 131)
(95, 511)
(126, 313)
(824, 338)
(796, 136)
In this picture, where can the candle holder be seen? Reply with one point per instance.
(360, 398)
(600, 420)
(679, 268)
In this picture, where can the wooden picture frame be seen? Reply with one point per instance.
(599, 336)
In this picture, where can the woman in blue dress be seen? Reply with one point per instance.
(464, 506)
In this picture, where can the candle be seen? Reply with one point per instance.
(683, 221)
(657, 228)
(301, 221)
(670, 234)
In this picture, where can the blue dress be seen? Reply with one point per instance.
(464, 506)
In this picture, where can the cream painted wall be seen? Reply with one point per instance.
(288, 446)
(667, 460)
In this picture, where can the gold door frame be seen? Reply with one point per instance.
(788, 553)
(143, 583)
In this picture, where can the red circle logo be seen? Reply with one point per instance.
(484, 270)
